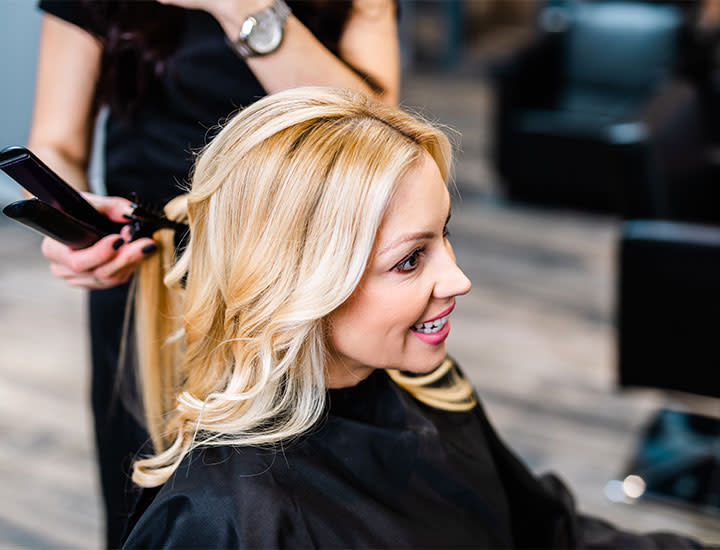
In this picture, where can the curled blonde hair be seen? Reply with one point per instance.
(284, 208)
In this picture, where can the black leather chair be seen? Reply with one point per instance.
(590, 114)
(668, 306)
(668, 322)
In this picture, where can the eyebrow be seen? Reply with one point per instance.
(413, 237)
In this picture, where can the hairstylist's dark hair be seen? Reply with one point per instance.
(139, 36)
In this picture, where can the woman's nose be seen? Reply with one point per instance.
(451, 281)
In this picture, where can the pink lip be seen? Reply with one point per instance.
(438, 337)
(443, 314)
(435, 338)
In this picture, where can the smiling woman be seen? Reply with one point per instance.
(295, 374)
(283, 294)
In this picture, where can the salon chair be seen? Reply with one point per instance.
(591, 114)
(668, 322)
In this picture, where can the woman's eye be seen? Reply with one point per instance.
(446, 233)
(410, 262)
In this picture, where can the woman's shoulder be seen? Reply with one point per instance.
(219, 473)
(212, 498)
(209, 463)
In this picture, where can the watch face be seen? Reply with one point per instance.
(266, 34)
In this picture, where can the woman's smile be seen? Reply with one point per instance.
(434, 331)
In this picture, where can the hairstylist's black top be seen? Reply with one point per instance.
(381, 471)
(202, 82)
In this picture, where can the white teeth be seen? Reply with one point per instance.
(431, 326)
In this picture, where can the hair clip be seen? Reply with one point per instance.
(146, 218)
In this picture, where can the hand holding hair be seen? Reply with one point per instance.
(109, 262)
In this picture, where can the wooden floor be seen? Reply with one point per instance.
(535, 335)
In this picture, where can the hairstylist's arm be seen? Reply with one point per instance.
(68, 69)
(369, 43)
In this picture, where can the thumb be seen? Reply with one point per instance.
(114, 208)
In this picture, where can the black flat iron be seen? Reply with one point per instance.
(60, 212)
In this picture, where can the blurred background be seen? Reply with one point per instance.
(586, 213)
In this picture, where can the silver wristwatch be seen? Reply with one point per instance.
(262, 32)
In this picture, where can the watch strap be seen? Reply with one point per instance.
(281, 9)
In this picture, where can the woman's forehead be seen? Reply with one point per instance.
(420, 205)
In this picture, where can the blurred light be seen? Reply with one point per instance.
(628, 132)
(634, 486)
(614, 491)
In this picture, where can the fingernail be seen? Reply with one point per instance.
(149, 249)
(118, 243)
(130, 211)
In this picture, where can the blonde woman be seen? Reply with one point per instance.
(295, 377)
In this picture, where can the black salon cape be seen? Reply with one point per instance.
(380, 471)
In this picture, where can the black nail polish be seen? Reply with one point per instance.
(149, 249)
(117, 244)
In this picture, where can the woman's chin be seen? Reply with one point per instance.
(428, 360)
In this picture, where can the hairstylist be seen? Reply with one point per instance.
(168, 73)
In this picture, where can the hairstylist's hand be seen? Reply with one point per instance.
(110, 261)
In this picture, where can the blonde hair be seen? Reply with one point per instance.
(283, 210)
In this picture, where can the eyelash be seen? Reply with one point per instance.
(415, 256)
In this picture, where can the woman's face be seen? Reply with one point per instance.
(397, 318)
